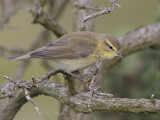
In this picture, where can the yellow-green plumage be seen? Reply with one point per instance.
(77, 50)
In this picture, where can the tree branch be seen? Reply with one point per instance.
(100, 101)
(42, 18)
(101, 12)
(79, 102)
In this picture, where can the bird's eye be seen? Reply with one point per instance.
(110, 47)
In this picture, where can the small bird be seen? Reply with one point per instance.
(77, 50)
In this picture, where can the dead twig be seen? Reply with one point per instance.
(101, 12)
(31, 100)
(92, 86)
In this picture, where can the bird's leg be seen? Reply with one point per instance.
(74, 74)
(71, 80)
(71, 84)
(70, 77)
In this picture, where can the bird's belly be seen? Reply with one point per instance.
(75, 64)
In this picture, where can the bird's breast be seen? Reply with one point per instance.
(75, 64)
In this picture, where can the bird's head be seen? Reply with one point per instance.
(110, 46)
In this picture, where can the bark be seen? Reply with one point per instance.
(78, 102)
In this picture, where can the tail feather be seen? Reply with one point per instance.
(27, 55)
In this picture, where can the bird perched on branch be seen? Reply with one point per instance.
(77, 50)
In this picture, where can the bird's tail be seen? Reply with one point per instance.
(27, 55)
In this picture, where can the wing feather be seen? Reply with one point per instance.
(66, 48)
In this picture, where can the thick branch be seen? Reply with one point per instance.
(79, 102)
(50, 24)
(100, 101)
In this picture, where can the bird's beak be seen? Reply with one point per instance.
(120, 55)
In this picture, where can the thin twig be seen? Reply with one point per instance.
(53, 72)
(24, 86)
(70, 78)
(10, 79)
(92, 86)
(99, 13)
(31, 100)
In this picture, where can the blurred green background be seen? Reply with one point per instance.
(137, 76)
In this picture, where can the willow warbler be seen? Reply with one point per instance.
(77, 50)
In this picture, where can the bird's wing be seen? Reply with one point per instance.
(66, 49)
